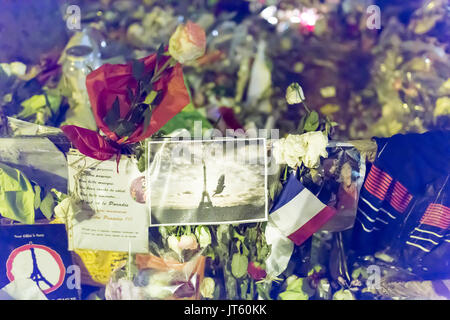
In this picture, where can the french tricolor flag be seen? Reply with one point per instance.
(297, 212)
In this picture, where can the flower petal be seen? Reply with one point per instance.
(89, 142)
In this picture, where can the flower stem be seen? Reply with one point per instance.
(158, 72)
(303, 102)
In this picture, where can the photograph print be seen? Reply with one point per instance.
(207, 181)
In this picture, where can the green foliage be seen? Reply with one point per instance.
(311, 122)
(113, 115)
(47, 205)
(186, 120)
(16, 195)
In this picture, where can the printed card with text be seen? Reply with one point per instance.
(113, 215)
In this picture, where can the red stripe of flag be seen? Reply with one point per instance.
(312, 226)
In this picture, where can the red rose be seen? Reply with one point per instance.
(256, 272)
(113, 81)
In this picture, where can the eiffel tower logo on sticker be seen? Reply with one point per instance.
(38, 263)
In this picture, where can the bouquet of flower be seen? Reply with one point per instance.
(130, 102)
(174, 269)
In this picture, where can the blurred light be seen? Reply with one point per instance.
(269, 12)
(103, 44)
(272, 20)
(296, 19)
(283, 26)
(215, 33)
(309, 17)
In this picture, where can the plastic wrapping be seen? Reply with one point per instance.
(149, 277)
(338, 182)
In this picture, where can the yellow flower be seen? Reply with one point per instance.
(187, 43)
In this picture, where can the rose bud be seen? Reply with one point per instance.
(294, 93)
(187, 43)
(255, 271)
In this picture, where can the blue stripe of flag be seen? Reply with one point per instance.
(290, 190)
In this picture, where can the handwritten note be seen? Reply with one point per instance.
(113, 214)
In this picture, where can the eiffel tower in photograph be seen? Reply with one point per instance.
(205, 202)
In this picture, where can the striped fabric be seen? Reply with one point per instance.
(433, 228)
(437, 215)
(382, 200)
(382, 203)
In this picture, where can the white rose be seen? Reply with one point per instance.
(315, 144)
(289, 150)
(159, 286)
(294, 94)
(188, 241)
(172, 241)
(278, 151)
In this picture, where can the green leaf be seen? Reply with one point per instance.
(186, 120)
(238, 236)
(112, 117)
(239, 264)
(245, 251)
(312, 122)
(263, 290)
(141, 162)
(264, 252)
(147, 118)
(293, 295)
(125, 128)
(251, 235)
(295, 285)
(244, 289)
(130, 94)
(47, 205)
(223, 234)
(230, 285)
(37, 196)
(301, 125)
(17, 195)
(53, 101)
(150, 97)
(158, 98)
(275, 189)
(137, 115)
(32, 105)
(138, 69)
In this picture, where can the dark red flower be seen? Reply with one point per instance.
(229, 118)
(256, 272)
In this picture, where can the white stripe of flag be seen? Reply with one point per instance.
(298, 213)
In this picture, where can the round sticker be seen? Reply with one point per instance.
(39, 263)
